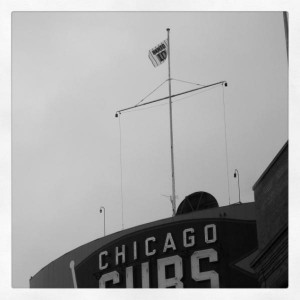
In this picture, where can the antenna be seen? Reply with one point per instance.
(173, 203)
(171, 125)
(169, 97)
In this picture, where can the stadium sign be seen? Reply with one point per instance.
(194, 253)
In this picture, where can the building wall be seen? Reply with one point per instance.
(271, 204)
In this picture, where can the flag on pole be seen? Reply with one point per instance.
(158, 54)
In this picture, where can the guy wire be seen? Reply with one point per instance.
(225, 140)
(174, 101)
(151, 92)
(188, 82)
(121, 168)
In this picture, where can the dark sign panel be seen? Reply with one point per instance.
(189, 254)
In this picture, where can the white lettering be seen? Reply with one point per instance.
(164, 282)
(191, 239)
(122, 254)
(101, 266)
(212, 275)
(152, 238)
(214, 233)
(134, 250)
(145, 275)
(169, 243)
(114, 276)
(129, 277)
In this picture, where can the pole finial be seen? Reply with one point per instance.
(168, 29)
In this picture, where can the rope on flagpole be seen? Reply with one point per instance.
(121, 169)
(201, 91)
(188, 82)
(152, 92)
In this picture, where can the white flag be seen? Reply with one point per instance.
(159, 53)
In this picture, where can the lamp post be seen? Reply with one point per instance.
(236, 174)
(102, 209)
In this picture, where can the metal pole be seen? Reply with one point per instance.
(72, 267)
(168, 97)
(103, 208)
(173, 206)
(238, 176)
(286, 30)
(239, 187)
(171, 126)
(225, 132)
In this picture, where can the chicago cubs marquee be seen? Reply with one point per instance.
(207, 247)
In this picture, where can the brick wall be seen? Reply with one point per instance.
(271, 199)
(271, 207)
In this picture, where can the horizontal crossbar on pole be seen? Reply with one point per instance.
(167, 97)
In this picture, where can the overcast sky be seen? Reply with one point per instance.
(72, 71)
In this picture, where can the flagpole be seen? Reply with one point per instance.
(171, 126)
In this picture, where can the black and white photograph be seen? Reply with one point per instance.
(150, 149)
